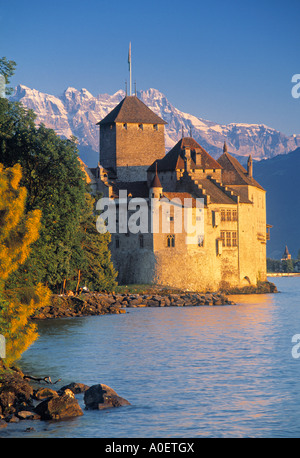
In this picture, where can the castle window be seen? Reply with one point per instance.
(223, 215)
(200, 240)
(234, 215)
(140, 126)
(234, 238)
(171, 241)
(223, 238)
(141, 240)
(228, 215)
(125, 126)
(117, 242)
(228, 239)
(155, 126)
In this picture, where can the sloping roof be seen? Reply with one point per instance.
(217, 196)
(132, 109)
(181, 196)
(234, 173)
(174, 159)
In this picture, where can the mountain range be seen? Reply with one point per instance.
(76, 112)
(280, 178)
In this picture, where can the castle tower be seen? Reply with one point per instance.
(131, 139)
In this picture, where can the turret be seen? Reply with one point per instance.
(156, 188)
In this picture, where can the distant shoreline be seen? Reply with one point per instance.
(283, 274)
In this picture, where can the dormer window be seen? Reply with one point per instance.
(140, 126)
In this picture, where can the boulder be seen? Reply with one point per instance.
(28, 415)
(44, 393)
(74, 387)
(102, 396)
(60, 407)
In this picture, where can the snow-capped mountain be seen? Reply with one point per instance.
(76, 112)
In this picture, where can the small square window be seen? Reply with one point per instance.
(140, 126)
(155, 126)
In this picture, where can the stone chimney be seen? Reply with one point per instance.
(250, 167)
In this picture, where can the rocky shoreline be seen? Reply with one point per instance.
(22, 400)
(86, 304)
(93, 303)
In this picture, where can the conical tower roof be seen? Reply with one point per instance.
(156, 181)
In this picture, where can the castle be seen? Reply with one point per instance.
(231, 250)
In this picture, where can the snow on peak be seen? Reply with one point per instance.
(78, 111)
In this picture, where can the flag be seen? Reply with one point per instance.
(129, 57)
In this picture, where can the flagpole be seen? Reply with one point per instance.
(130, 72)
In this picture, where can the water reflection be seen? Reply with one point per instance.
(198, 371)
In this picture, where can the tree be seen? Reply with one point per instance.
(18, 231)
(7, 69)
(287, 265)
(98, 272)
(56, 185)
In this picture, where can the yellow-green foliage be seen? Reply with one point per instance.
(17, 232)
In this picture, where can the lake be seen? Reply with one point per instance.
(223, 371)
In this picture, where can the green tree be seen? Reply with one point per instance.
(7, 69)
(56, 185)
(287, 266)
(97, 273)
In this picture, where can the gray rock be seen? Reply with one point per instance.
(102, 396)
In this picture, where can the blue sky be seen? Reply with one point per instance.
(226, 61)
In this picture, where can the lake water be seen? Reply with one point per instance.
(188, 372)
